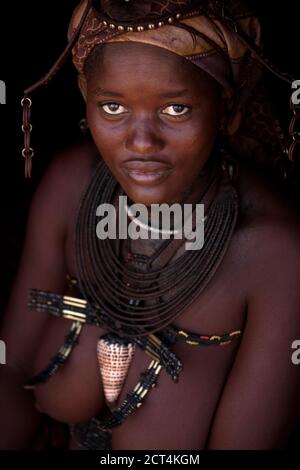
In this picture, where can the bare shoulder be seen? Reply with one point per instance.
(266, 210)
(268, 250)
(270, 236)
(65, 179)
(80, 158)
(43, 265)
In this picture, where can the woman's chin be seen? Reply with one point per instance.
(148, 196)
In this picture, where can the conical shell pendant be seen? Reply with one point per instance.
(114, 358)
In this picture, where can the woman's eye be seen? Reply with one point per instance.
(113, 108)
(176, 110)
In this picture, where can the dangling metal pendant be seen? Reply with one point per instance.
(114, 358)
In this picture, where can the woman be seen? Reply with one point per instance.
(171, 91)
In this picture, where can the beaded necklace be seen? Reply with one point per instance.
(131, 297)
(221, 215)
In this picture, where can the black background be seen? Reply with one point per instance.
(32, 35)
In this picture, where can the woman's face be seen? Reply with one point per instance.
(154, 118)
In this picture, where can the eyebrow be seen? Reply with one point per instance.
(168, 94)
(100, 91)
(174, 94)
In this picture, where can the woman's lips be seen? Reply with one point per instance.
(147, 172)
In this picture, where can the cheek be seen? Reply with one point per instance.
(206, 124)
(105, 135)
(196, 139)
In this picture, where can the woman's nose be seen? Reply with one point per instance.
(144, 137)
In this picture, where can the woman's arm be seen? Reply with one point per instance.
(42, 266)
(259, 405)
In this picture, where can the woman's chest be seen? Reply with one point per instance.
(173, 415)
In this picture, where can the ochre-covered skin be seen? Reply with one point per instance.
(239, 396)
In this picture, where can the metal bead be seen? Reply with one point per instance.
(178, 16)
(112, 26)
(104, 23)
(121, 28)
(170, 20)
(160, 24)
(151, 26)
(140, 28)
(129, 28)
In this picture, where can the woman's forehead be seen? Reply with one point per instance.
(135, 53)
(134, 58)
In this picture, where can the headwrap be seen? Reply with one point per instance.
(204, 32)
(188, 30)
(223, 38)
